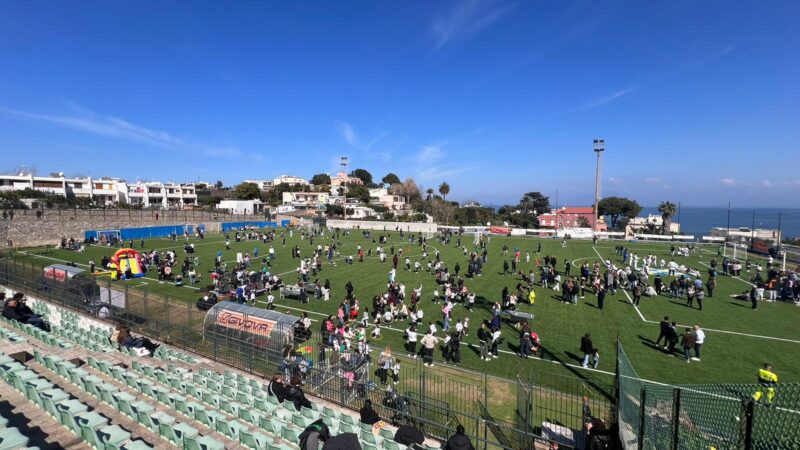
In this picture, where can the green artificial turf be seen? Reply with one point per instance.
(730, 355)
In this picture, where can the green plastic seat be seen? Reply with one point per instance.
(176, 433)
(202, 443)
(387, 434)
(12, 439)
(136, 445)
(209, 418)
(390, 445)
(154, 421)
(270, 425)
(291, 435)
(257, 441)
(231, 428)
(108, 436)
(347, 418)
(69, 407)
(50, 397)
(250, 416)
(140, 407)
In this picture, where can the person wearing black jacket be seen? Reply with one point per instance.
(368, 414)
(587, 347)
(276, 388)
(15, 309)
(484, 336)
(295, 394)
(459, 441)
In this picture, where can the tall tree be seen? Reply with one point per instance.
(321, 179)
(390, 179)
(444, 189)
(364, 176)
(247, 191)
(667, 210)
(429, 193)
(359, 192)
(218, 184)
(616, 207)
(534, 201)
(411, 189)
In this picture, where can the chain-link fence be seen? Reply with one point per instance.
(720, 416)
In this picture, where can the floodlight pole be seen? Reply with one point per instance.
(599, 148)
(344, 162)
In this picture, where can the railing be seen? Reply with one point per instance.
(725, 416)
(438, 398)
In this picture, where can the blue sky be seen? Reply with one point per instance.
(697, 101)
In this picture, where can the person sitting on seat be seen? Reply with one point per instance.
(368, 414)
(295, 394)
(126, 339)
(16, 309)
(276, 388)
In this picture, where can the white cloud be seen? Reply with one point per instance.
(615, 181)
(729, 182)
(467, 20)
(115, 127)
(348, 133)
(766, 183)
(610, 97)
(431, 153)
(652, 180)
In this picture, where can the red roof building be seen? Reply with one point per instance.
(569, 217)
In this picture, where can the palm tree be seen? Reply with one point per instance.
(429, 191)
(667, 210)
(444, 189)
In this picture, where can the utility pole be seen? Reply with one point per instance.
(599, 148)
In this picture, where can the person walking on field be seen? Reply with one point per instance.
(663, 332)
(588, 349)
(687, 342)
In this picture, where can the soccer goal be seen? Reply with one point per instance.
(108, 236)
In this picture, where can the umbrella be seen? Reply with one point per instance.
(344, 441)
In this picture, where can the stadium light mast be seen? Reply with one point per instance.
(344, 162)
(599, 148)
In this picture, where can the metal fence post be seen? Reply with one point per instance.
(642, 401)
(746, 424)
(676, 415)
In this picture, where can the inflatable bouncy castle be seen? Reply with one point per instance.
(124, 259)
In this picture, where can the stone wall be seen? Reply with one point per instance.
(28, 229)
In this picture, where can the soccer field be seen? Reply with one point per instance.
(738, 339)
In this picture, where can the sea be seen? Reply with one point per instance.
(699, 221)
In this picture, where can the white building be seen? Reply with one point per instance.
(236, 206)
(652, 220)
(106, 190)
(162, 195)
(306, 200)
(289, 179)
(360, 212)
(744, 235)
(383, 197)
(264, 185)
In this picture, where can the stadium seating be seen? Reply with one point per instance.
(159, 401)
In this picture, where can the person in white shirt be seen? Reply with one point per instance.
(270, 301)
(411, 336)
(699, 339)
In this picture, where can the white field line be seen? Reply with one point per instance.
(603, 261)
(793, 341)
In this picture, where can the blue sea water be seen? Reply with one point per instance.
(699, 221)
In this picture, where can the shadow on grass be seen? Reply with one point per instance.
(741, 305)
(647, 342)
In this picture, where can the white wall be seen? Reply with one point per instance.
(413, 227)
